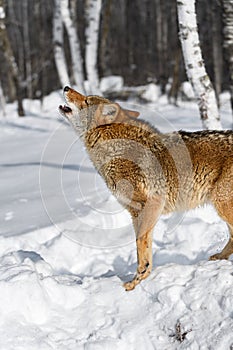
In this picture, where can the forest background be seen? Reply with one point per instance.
(137, 40)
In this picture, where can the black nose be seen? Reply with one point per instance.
(66, 88)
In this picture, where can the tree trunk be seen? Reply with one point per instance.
(2, 101)
(43, 78)
(27, 49)
(76, 58)
(174, 90)
(194, 65)
(59, 53)
(159, 37)
(8, 53)
(165, 74)
(227, 6)
(215, 13)
(16, 33)
(161, 40)
(93, 11)
(104, 49)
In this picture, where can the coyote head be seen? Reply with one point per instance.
(86, 112)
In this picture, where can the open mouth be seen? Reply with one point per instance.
(65, 109)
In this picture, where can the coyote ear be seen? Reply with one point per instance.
(106, 113)
(110, 112)
(133, 114)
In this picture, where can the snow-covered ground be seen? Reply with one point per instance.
(66, 247)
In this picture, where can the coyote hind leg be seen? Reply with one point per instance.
(223, 203)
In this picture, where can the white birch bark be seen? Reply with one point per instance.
(194, 65)
(77, 62)
(59, 53)
(93, 10)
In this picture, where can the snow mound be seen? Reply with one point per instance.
(152, 93)
(67, 296)
(29, 289)
(187, 91)
(112, 83)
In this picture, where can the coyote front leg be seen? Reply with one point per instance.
(144, 256)
(144, 224)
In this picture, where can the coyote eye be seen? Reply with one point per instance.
(86, 102)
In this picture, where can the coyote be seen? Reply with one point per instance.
(152, 173)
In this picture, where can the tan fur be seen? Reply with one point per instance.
(152, 173)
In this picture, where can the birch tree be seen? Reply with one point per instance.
(76, 58)
(58, 45)
(10, 59)
(194, 65)
(93, 11)
(227, 6)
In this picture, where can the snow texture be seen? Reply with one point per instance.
(62, 271)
